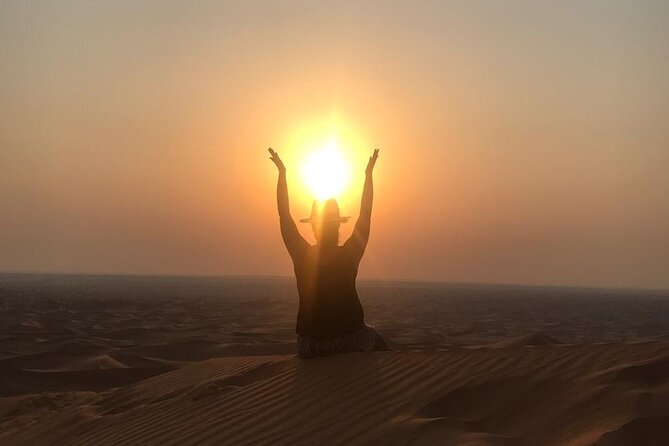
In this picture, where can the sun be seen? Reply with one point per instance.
(326, 172)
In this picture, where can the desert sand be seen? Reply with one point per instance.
(88, 360)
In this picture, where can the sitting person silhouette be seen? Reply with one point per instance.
(330, 318)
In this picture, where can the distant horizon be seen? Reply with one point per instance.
(361, 280)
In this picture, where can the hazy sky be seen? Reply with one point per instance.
(521, 142)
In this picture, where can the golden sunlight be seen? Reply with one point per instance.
(326, 172)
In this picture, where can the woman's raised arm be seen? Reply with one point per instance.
(291, 236)
(358, 241)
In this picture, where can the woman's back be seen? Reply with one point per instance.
(329, 305)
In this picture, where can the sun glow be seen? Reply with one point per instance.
(326, 172)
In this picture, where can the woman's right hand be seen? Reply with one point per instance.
(277, 161)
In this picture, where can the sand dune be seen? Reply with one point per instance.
(186, 361)
(545, 395)
(18, 382)
(525, 340)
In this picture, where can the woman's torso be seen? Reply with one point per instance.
(329, 304)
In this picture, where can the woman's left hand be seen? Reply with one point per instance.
(372, 162)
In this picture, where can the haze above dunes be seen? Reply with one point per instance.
(521, 141)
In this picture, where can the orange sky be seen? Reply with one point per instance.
(521, 142)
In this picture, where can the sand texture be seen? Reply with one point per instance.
(113, 360)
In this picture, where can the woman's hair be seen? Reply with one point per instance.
(327, 232)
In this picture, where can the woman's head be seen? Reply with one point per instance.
(325, 220)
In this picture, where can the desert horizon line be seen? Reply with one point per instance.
(399, 281)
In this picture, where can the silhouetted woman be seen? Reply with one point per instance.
(330, 318)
